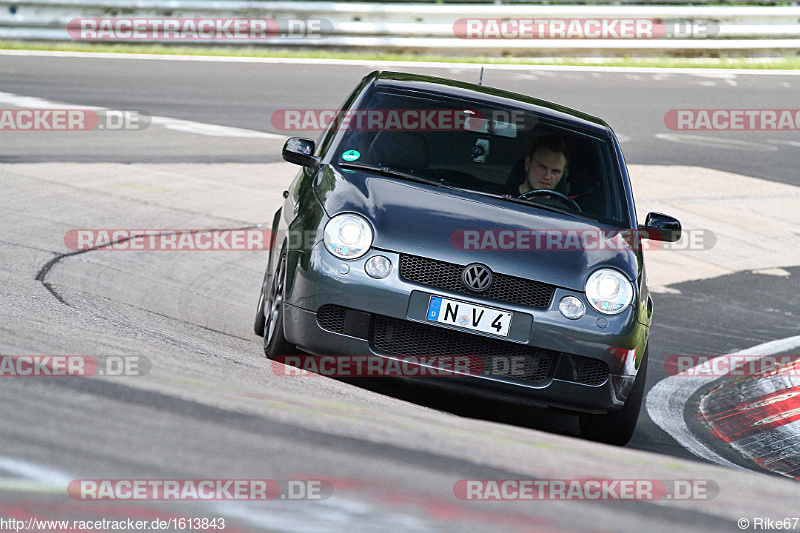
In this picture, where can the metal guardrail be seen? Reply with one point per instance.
(237, 4)
(429, 27)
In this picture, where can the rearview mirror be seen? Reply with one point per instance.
(660, 227)
(300, 151)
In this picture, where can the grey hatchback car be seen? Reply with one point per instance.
(440, 218)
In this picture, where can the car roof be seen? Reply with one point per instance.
(489, 95)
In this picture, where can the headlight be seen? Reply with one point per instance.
(348, 236)
(608, 291)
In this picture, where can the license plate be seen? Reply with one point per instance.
(469, 316)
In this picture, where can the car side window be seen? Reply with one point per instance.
(327, 136)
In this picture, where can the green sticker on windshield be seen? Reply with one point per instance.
(351, 155)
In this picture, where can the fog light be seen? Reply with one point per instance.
(378, 266)
(571, 307)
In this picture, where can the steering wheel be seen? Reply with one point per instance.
(557, 195)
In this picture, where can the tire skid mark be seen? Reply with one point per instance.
(42, 274)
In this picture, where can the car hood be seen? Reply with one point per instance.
(433, 222)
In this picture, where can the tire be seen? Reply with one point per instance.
(275, 343)
(617, 427)
(258, 324)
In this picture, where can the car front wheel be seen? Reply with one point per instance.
(617, 427)
(258, 325)
(275, 343)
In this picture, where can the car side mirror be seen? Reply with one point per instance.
(660, 227)
(300, 151)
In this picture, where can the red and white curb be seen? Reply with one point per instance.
(667, 399)
(760, 418)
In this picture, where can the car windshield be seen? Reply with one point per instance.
(500, 151)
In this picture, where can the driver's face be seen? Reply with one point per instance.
(545, 169)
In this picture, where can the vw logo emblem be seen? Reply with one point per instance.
(476, 277)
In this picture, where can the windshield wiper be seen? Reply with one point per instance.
(388, 171)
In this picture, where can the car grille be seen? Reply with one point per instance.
(583, 370)
(331, 317)
(591, 371)
(448, 276)
(391, 336)
(500, 359)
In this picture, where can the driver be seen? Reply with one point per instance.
(544, 166)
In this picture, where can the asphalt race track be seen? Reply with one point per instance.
(212, 407)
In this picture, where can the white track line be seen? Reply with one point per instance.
(280, 515)
(186, 126)
(405, 64)
(34, 472)
(666, 400)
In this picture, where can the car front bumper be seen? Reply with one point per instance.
(387, 318)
